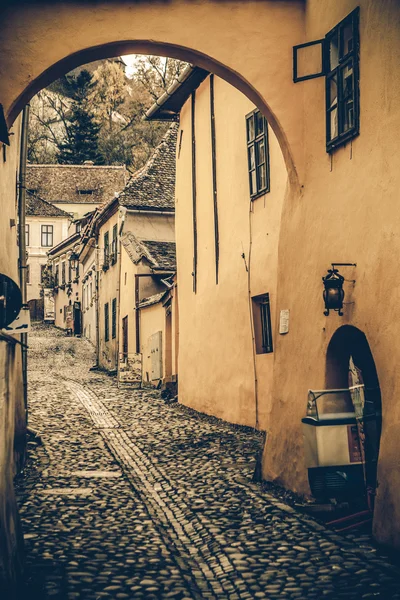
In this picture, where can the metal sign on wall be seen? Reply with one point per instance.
(21, 324)
(284, 321)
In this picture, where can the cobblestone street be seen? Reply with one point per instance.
(131, 497)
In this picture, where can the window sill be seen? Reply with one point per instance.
(341, 141)
(259, 195)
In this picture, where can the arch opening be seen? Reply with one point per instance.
(148, 47)
(350, 364)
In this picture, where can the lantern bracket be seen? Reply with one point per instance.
(338, 264)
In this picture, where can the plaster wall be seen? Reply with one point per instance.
(348, 213)
(148, 286)
(37, 254)
(109, 281)
(41, 41)
(89, 297)
(152, 320)
(12, 410)
(216, 363)
(77, 210)
(151, 225)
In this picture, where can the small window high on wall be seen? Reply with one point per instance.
(262, 324)
(257, 154)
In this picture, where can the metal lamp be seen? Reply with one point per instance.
(333, 291)
(74, 260)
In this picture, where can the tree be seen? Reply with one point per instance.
(82, 130)
(156, 73)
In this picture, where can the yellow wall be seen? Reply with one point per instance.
(108, 290)
(89, 295)
(216, 367)
(348, 213)
(12, 411)
(152, 320)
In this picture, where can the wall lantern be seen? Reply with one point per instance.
(333, 288)
(74, 260)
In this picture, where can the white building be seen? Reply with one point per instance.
(46, 226)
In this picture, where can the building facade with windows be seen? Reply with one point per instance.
(230, 185)
(145, 209)
(46, 226)
(63, 277)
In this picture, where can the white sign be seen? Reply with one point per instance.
(21, 324)
(284, 321)
(49, 309)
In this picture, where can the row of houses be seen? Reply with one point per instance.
(111, 280)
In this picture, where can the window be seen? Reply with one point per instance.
(106, 324)
(56, 276)
(257, 153)
(27, 235)
(47, 236)
(114, 318)
(69, 272)
(106, 249)
(78, 227)
(42, 273)
(114, 245)
(85, 192)
(341, 56)
(90, 293)
(28, 274)
(339, 63)
(262, 324)
(63, 273)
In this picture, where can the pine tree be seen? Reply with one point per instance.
(82, 142)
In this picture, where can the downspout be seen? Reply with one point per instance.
(22, 263)
(97, 277)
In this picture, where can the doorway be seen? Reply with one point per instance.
(350, 364)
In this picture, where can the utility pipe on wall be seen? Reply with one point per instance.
(22, 242)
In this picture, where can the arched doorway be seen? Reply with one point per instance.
(350, 364)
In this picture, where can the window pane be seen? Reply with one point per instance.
(262, 177)
(347, 38)
(252, 158)
(332, 91)
(253, 182)
(259, 123)
(347, 75)
(333, 124)
(333, 51)
(250, 128)
(261, 152)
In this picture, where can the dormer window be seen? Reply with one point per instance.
(85, 192)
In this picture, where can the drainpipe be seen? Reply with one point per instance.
(97, 284)
(22, 243)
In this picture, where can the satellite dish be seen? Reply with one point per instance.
(10, 300)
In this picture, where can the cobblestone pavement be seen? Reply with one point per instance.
(130, 497)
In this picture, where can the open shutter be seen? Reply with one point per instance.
(309, 60)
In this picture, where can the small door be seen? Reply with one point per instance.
(77, 318)
(125, 336)
(156, 355)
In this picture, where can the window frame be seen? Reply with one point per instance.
(113, 253)
(253, 144)
(46, 231)
(106, 257)
(114, 318)
(27, 234)
(262, 324)
(106, 322)
(343, 61)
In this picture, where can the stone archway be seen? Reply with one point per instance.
(348, 350)
(248, 44)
